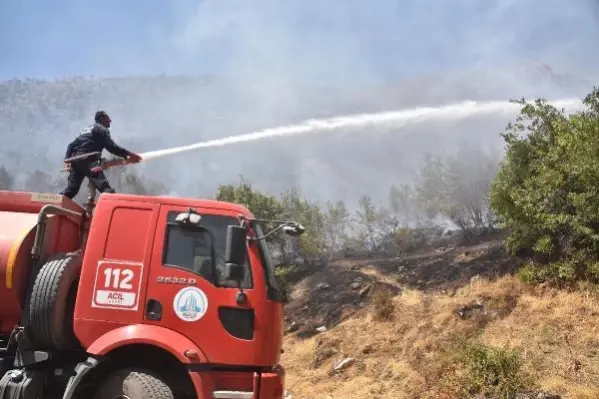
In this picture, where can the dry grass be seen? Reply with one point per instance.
(382, 302)
(413, 355)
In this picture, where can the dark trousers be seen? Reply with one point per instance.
(81, 170)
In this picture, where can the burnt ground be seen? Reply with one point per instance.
(323, 296)
(411, 345)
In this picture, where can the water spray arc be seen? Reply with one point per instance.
(399, 118)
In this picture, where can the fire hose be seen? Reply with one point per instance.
(100, 166)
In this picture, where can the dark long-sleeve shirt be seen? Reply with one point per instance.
(95, 138)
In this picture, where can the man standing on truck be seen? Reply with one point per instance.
(94, 138)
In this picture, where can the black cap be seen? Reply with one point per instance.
(100, 114)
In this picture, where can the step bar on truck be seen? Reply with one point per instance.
(232, 395)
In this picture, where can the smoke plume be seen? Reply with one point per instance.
(176, 73)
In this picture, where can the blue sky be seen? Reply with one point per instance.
(317, 40)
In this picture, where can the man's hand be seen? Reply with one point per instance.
(134, 158)
(67, 166)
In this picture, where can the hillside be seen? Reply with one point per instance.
(436, 322)
(39, 118)
(432, 266)
(480, 280)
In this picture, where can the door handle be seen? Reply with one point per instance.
(153, 310)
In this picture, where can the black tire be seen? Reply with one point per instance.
(133, 384)
(52, 303)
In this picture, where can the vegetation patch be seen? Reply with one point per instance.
(493, 372)
(382, 301)
(546, 192)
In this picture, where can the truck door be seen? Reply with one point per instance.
(187, 293)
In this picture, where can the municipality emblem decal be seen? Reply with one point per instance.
(190, 304)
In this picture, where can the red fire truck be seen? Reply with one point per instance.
(137, 297)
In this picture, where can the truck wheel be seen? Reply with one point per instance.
(133, 384)
(52, 303)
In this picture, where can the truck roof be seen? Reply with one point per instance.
(179, 201)
(32, 202)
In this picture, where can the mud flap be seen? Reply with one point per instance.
(80, 371)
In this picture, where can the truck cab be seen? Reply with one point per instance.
(157, 297)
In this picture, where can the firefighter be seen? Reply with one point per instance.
(94, 138)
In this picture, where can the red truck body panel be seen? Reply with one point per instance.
(33, 202)
(127, 236)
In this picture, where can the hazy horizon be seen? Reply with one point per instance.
(268, 63)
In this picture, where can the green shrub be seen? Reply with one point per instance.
(282, 274)
(491, 371)
(546, 192)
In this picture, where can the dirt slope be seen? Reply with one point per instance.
(442, 323)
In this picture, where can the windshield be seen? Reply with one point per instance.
(201, 251)
(274, 291)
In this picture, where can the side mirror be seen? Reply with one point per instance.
(294, 230)
(236, 249)
(235, 253)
